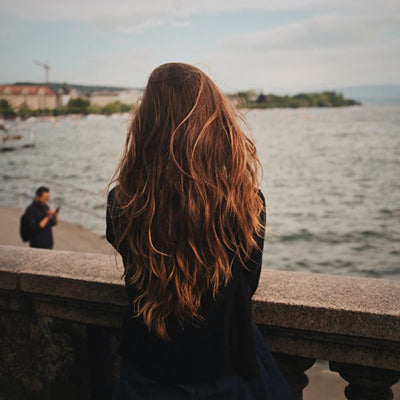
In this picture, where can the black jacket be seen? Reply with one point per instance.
(40, 237)
(225, 346)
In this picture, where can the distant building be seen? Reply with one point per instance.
(66, 94)
(130, 96)
(35, 97)
(102, 98)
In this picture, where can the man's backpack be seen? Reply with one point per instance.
(24, 230)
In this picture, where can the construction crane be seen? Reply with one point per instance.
(46, 68)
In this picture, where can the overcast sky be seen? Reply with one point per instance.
(281, 45)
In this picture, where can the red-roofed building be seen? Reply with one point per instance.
(35, 97)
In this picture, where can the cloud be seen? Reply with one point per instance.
(344, 43)
(306, 69)
(133, 15)
(331, 31)
(122, 69)
(322, 51)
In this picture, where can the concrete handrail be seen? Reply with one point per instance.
(364, 307)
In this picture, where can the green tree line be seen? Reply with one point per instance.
(74, 106)
(249, 99)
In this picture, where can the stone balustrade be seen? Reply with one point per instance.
(61, 313)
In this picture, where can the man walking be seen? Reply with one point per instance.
(40, 219)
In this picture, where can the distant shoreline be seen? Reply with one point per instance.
(326, 99)
(50, 117)
(128, 114)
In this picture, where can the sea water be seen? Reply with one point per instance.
(331, 181)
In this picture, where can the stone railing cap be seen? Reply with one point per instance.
(336, 304)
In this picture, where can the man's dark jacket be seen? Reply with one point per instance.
(40, 237)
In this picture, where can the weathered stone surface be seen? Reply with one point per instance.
(80, 276)
(14, 259)
(58, 283)
(327, 346)
(337, 304)
(362, 307)
(36, 353)
(365, 382)
(99, 314)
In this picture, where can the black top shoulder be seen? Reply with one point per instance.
(114, 224)
(255, 262)
(110, 235)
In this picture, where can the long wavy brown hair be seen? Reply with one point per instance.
(187, 193)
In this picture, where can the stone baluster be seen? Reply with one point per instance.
(366, 383)
(293, 369)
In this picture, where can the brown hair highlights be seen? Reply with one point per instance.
(187, 191)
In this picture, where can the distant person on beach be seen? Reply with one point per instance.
(188, 217)
(40, 219)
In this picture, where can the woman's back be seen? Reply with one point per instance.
(188, 217)
(221, 345)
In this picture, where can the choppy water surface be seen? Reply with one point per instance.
(331, 181)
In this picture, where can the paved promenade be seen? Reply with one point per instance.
(74, 238)
(66, 236)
